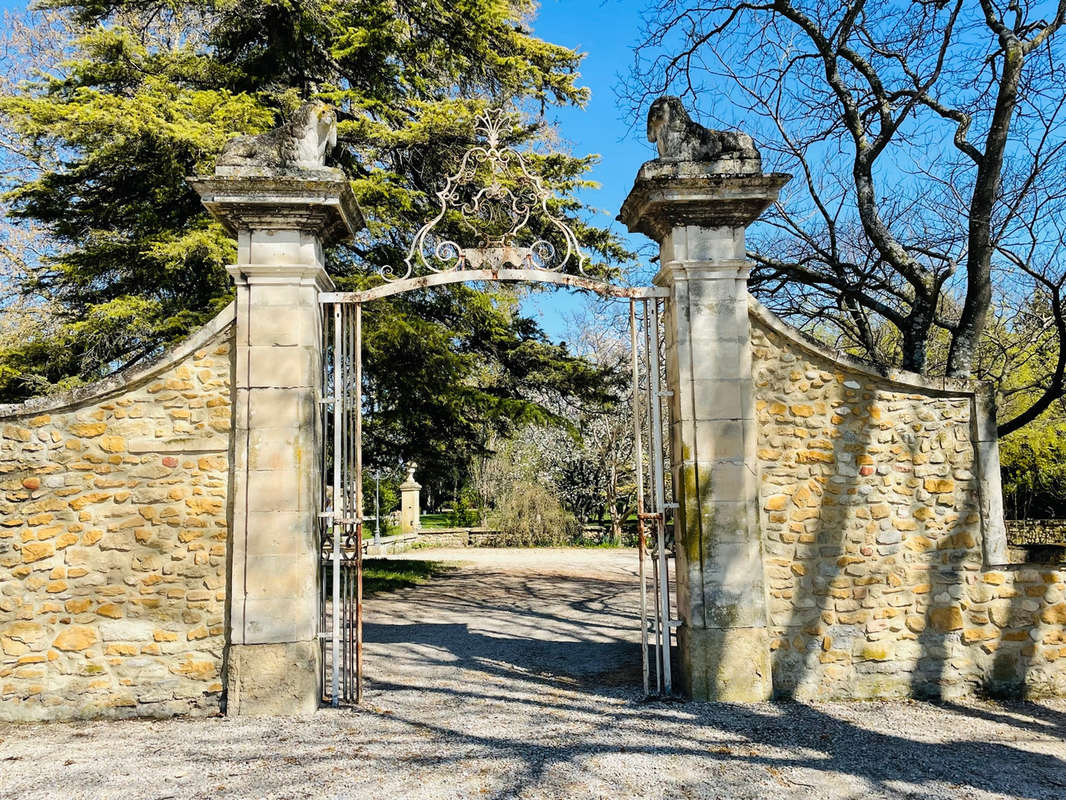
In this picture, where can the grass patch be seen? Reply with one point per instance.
(387, 575)
(431, 521)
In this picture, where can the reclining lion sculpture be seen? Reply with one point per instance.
(303, 142)
(678, 138)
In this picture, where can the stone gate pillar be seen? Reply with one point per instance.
(410, 503)
(282, 221)
(697, 212)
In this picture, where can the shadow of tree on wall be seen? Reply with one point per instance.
(906, 606)
(827, 613)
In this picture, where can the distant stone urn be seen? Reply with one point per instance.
(678, 138)
(302, 143)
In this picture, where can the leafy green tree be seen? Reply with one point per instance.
(148, 92)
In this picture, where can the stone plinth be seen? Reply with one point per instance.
(282, 223)
(410, 507)
(698, 215)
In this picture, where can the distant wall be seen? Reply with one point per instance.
(883, 537)
(1038, 532)
(113, 540)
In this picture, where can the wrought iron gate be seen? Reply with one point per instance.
(649, 392)
(341, 528)
(435, 261)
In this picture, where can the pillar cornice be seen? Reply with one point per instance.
(252, 199)
(675, 194)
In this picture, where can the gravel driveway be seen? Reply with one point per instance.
(517, 676)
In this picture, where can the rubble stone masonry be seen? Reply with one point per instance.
(874, 519)
(113, 541)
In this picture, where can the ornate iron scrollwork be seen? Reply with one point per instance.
(501, 208)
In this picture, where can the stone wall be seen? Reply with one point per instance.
(883, 537)
(1039, 532)
(113, 541)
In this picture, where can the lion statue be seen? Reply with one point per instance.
(678, 138)
(301, 143)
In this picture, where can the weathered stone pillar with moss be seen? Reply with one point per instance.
(283, 215)
(696, 201)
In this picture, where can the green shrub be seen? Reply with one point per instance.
(529, 515)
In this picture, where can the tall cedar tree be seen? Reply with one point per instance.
(153, 90)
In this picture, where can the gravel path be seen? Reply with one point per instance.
(517, 676)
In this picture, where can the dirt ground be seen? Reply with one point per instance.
(517, 676)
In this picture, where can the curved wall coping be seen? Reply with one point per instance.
(899, 377)
(128, 378)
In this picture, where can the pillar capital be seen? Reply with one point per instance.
(256, 199)
(668, 195)
(282, 220)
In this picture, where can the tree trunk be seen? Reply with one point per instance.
(986, 187)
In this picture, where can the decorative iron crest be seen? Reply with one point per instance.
(493, 187)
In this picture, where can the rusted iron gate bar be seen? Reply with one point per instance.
(661, 624)
(342, 530)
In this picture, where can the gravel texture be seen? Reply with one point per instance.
(517, 676)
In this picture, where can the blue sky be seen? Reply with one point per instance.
(606, 31)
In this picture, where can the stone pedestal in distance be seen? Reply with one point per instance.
(698, 213)
(282, 221)
(410, 507)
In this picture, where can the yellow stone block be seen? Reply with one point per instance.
(121, 650)
(35, 551)
(197, 670)
(75, 639)
(814, 457)
(947, 618)
(110, 610)
(78, 605)
(875, 652)
(11, 647)
(880, 510)
(92, 537)
(165, 636)
(113, 444)
(776, 502)
(1054, 615)
(939, 485)
(88, 430)
(78, 503)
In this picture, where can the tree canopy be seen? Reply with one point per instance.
(928, 140)
(138, 95)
